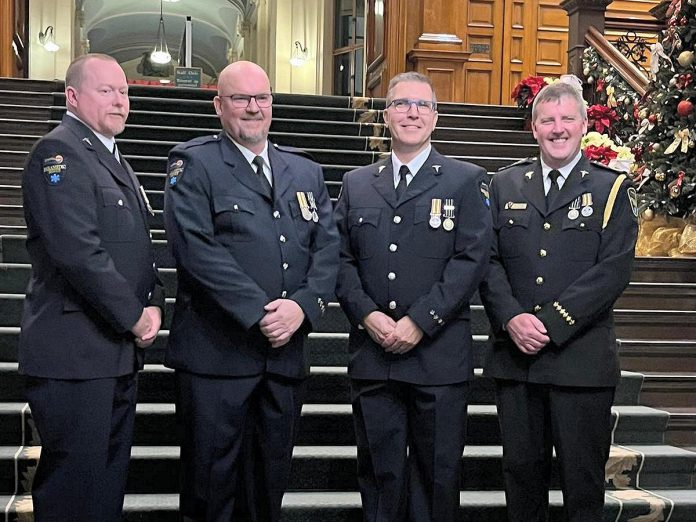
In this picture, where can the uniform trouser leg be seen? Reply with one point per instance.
(271, 430)
(430, 421)
(237, 445)
(86, 431)
(527, 449)
(437, 434)
(581, 427)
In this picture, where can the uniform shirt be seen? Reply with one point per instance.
(565, 172)
(413, 166)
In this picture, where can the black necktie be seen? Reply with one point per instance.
(258, 163)
(553, 191)
(401, 186)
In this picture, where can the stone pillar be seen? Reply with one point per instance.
(581, 15)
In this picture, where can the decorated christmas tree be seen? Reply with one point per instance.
(665, 145)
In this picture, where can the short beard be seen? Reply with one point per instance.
(253, 139)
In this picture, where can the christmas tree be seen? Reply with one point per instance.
(666, 139)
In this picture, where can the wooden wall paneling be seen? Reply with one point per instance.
(552, 39)
(484, 40)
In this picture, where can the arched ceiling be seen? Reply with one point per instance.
(125, 29)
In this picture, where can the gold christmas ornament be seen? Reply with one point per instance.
(660, 176)
(648, 214)
(686, 58)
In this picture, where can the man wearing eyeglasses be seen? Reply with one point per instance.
(256, 247)
(415, 237)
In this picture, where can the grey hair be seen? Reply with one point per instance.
(73, 76)
(410, 76)
(556, 91)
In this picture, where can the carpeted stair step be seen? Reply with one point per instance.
(658, 355)
(155, 469)
(475, 506)
(331, 424)
(325, 385)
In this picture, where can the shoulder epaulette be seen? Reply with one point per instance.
(607, 167)
(197, 142)
(524, 161)
(294, 150)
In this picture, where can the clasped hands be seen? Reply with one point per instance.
(398, 337)
(283, 318)
(528, 333)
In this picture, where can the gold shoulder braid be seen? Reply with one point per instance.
(612, 199)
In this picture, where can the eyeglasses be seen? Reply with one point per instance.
(404, 104)
(242, 101)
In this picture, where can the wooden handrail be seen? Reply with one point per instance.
(635, 78)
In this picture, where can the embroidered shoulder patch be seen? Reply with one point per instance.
(175, 171)
(54, 169)
(633, 198)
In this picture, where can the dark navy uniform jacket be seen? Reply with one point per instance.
(92, 264)
(236, 251)
(567, 265)
(392, 260)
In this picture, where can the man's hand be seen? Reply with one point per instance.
(379, 325)
(405, 337)
(283, 318)
(528, 333)
(145, 330)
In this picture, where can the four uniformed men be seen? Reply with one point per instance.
(415, 243)
(252, 230)
(565, 230)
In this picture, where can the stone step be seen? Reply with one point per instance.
(681, 427)
(475, 506)
(658, 355)
(672, 389)
(155, 469)
(325, 385)
(331, 424)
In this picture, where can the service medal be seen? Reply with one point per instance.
(448, 224)
(435, 221)
(587, 211)
(573, 213)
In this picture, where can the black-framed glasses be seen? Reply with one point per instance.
(404, 104)
(242, 101)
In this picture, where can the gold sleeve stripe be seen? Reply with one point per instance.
(612, 199)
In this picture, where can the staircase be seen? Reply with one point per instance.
(654, 408)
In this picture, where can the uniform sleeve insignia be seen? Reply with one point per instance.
(54, 170)
(483, 187)
(633, 198)
(176, 170)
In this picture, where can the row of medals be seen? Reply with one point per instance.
(584, 201)
(437, 214)
(308, 206)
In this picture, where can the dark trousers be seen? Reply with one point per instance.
(410, 442)
(86, 431)
(534, 419)
(238, 436)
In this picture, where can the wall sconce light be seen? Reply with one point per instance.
(299, 55)
(48, 40)
(160, 54)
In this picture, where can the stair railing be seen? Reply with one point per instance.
(610, 54)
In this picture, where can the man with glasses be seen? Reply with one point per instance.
(256, 247)
(415, 240)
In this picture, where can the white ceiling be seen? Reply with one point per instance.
(125, 29)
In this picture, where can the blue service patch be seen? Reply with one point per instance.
(54, 170)
(485, 193)
(176, 170)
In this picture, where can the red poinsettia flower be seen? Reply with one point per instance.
(599, 86)
(601, 117)
(602, 154)
(526, 90)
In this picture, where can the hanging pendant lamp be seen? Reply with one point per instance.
(160, 54)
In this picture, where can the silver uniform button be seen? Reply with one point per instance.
(393, 247)
(397, 219)
(285, 266)
(391, 276)
(284, 294)
(276, 214)
(282, 238)
(392, 305)
(149, 295)
(120, 202)
(540, 280)
(542, 253)
(547, 226)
